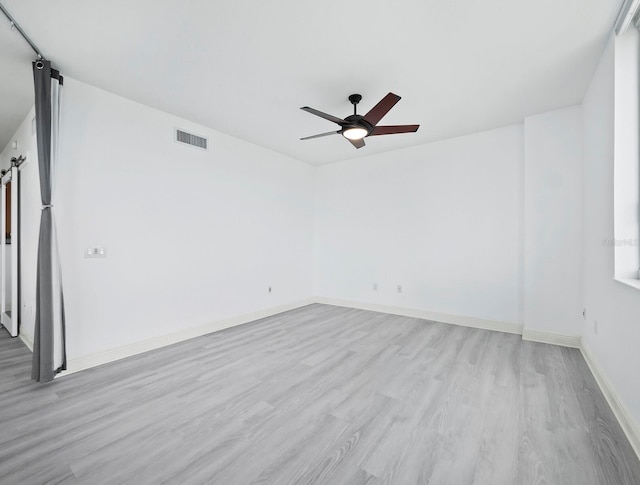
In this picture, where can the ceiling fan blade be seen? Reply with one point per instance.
(382, 108)
(357, 143)
(392, 130)
(320, 135)
(326, 116)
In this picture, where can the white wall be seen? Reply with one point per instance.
(486, 226)
(612, 330)
(553, 222)
(191, 236)
(442, 220)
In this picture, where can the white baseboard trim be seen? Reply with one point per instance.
(85, 362)
(551, 338)
(426, 315)
(27, 340)
(615, 403)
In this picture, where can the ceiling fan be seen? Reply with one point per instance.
(356, 127)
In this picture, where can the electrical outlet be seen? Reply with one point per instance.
(584, 313)
(399, 288)
(96, 252)
(375, 287)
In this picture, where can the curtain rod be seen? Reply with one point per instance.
(22, 33)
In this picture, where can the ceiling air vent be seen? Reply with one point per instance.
(191, 139)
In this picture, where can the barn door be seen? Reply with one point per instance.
(9, 233)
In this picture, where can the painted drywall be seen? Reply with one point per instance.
(553, 222)
(191, 236)
(440, 220)
(612, 326)
(29, 216)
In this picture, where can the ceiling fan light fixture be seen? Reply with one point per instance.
(355, 133)
(356, 127)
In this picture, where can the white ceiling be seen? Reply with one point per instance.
(246, 67)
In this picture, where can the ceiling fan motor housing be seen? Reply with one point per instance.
(357, 121)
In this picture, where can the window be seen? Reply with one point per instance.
(626, 240)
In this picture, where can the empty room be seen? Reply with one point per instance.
(320, 242)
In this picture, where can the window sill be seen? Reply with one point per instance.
(629, 282)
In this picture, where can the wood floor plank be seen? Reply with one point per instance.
(317, 395)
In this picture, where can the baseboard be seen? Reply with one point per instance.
(615, 403)
(426, 315)
(93, 360)
(27, 340)
(551, 338)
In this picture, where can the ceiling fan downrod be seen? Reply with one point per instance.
(354, 99)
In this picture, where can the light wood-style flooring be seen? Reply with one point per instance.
(317, 395)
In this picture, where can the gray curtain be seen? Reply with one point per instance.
(49, 349)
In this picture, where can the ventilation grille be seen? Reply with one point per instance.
(191, 139)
